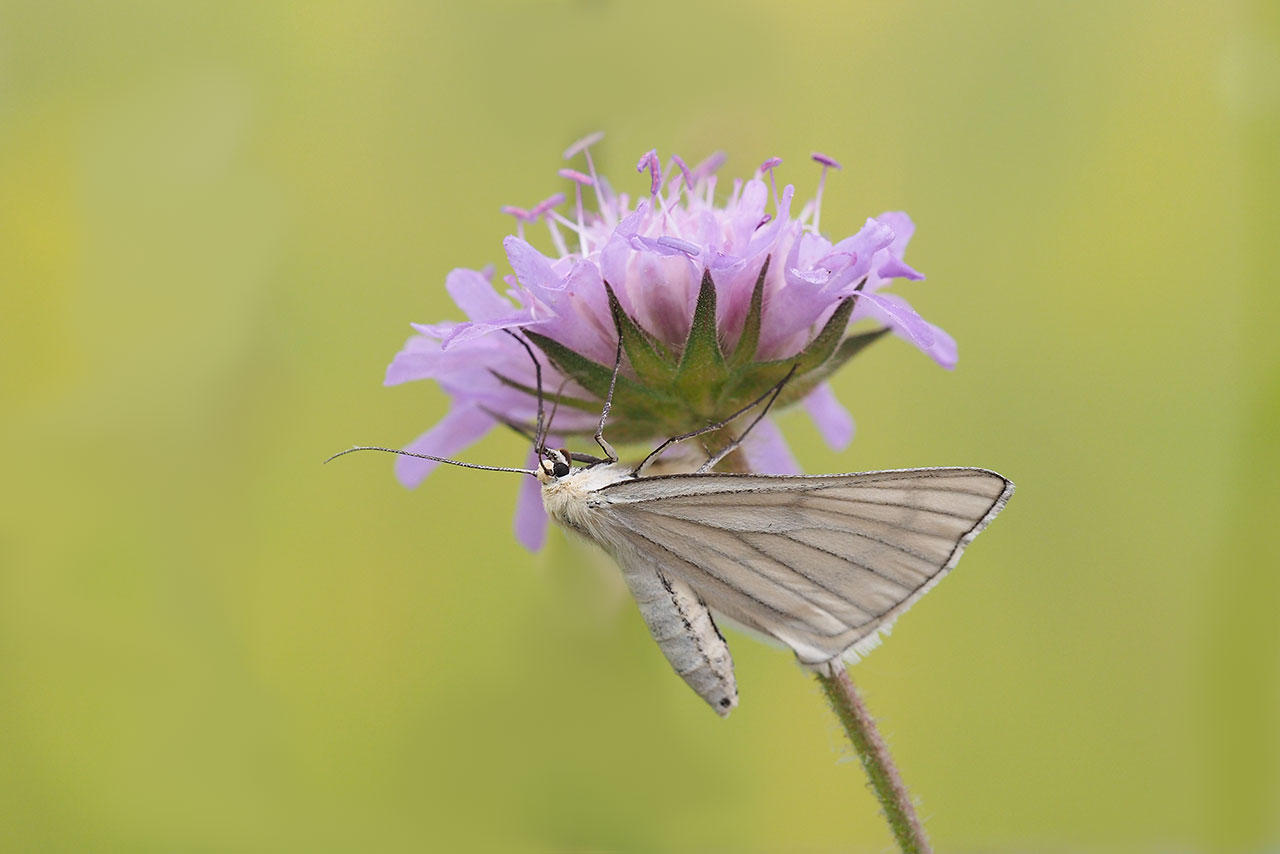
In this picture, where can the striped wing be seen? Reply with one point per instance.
(821, 563)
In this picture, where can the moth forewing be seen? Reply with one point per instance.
(821, 563)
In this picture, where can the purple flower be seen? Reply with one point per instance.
(716, 301)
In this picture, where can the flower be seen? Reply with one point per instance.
(715, 302)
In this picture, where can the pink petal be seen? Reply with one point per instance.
(579, 316)
(532, 269)
(767, 452)
(530, 519)
(469, 331)
(889, 264)
(944, 350)
(896, 268)
(896, 313)
(475, 295)
(421, 358)
(745, 216)
(830, 417)
(902, 227)
(892, 310)
(460, 429)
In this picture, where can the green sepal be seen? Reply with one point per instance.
(639, 402)
(592, 376)
(850, 347)
(648, 357)
(745, 350)
(561, 399)
(824, 345)
(797, 389)
(702, 370)
(825, 353)
(761, 375)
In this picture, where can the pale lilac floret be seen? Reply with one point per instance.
(653, 250)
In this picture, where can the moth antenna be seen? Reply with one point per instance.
(539, 436)
(773, 391)
(401, 453)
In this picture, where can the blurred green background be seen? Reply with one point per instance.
(217, 220)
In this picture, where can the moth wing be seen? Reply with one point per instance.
(821, 563)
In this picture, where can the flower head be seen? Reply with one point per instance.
(714, 302)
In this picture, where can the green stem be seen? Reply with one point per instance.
(874, 753)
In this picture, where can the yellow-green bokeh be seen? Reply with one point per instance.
(217, 220)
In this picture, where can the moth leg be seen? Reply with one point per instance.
(608, 403)
(733, 446)
(771, 393)
(539, 435)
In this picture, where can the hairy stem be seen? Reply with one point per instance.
(874, 753)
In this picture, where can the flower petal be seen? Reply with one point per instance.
(896, 268)
(532, 269)
(531, 519)
(896, 313)
(892, 310)
(422, 358)
(474, 294)
(889, 264)
(830, 417)
(471, 330)
(461, 428)
(580, 317)
(767, 452)
(944, 350)
(902, 227)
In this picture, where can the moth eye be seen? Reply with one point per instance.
(560, 469)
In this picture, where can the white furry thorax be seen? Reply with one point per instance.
(569, 500)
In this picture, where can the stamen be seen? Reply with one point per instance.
(709, 166)
(650, 161)
(552, 201)
(603, 194)
(693, 250)
(827, 163)
(557, 239)
(543, 210)
(575, 175)
(583, 144)
(768, 166)
(806, 211)
(579, 179)
(684, 171)
(522, 216)
(565, 221)
(764, 220)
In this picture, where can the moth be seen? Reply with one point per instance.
(822, 564)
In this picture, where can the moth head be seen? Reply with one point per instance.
(553, 465)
